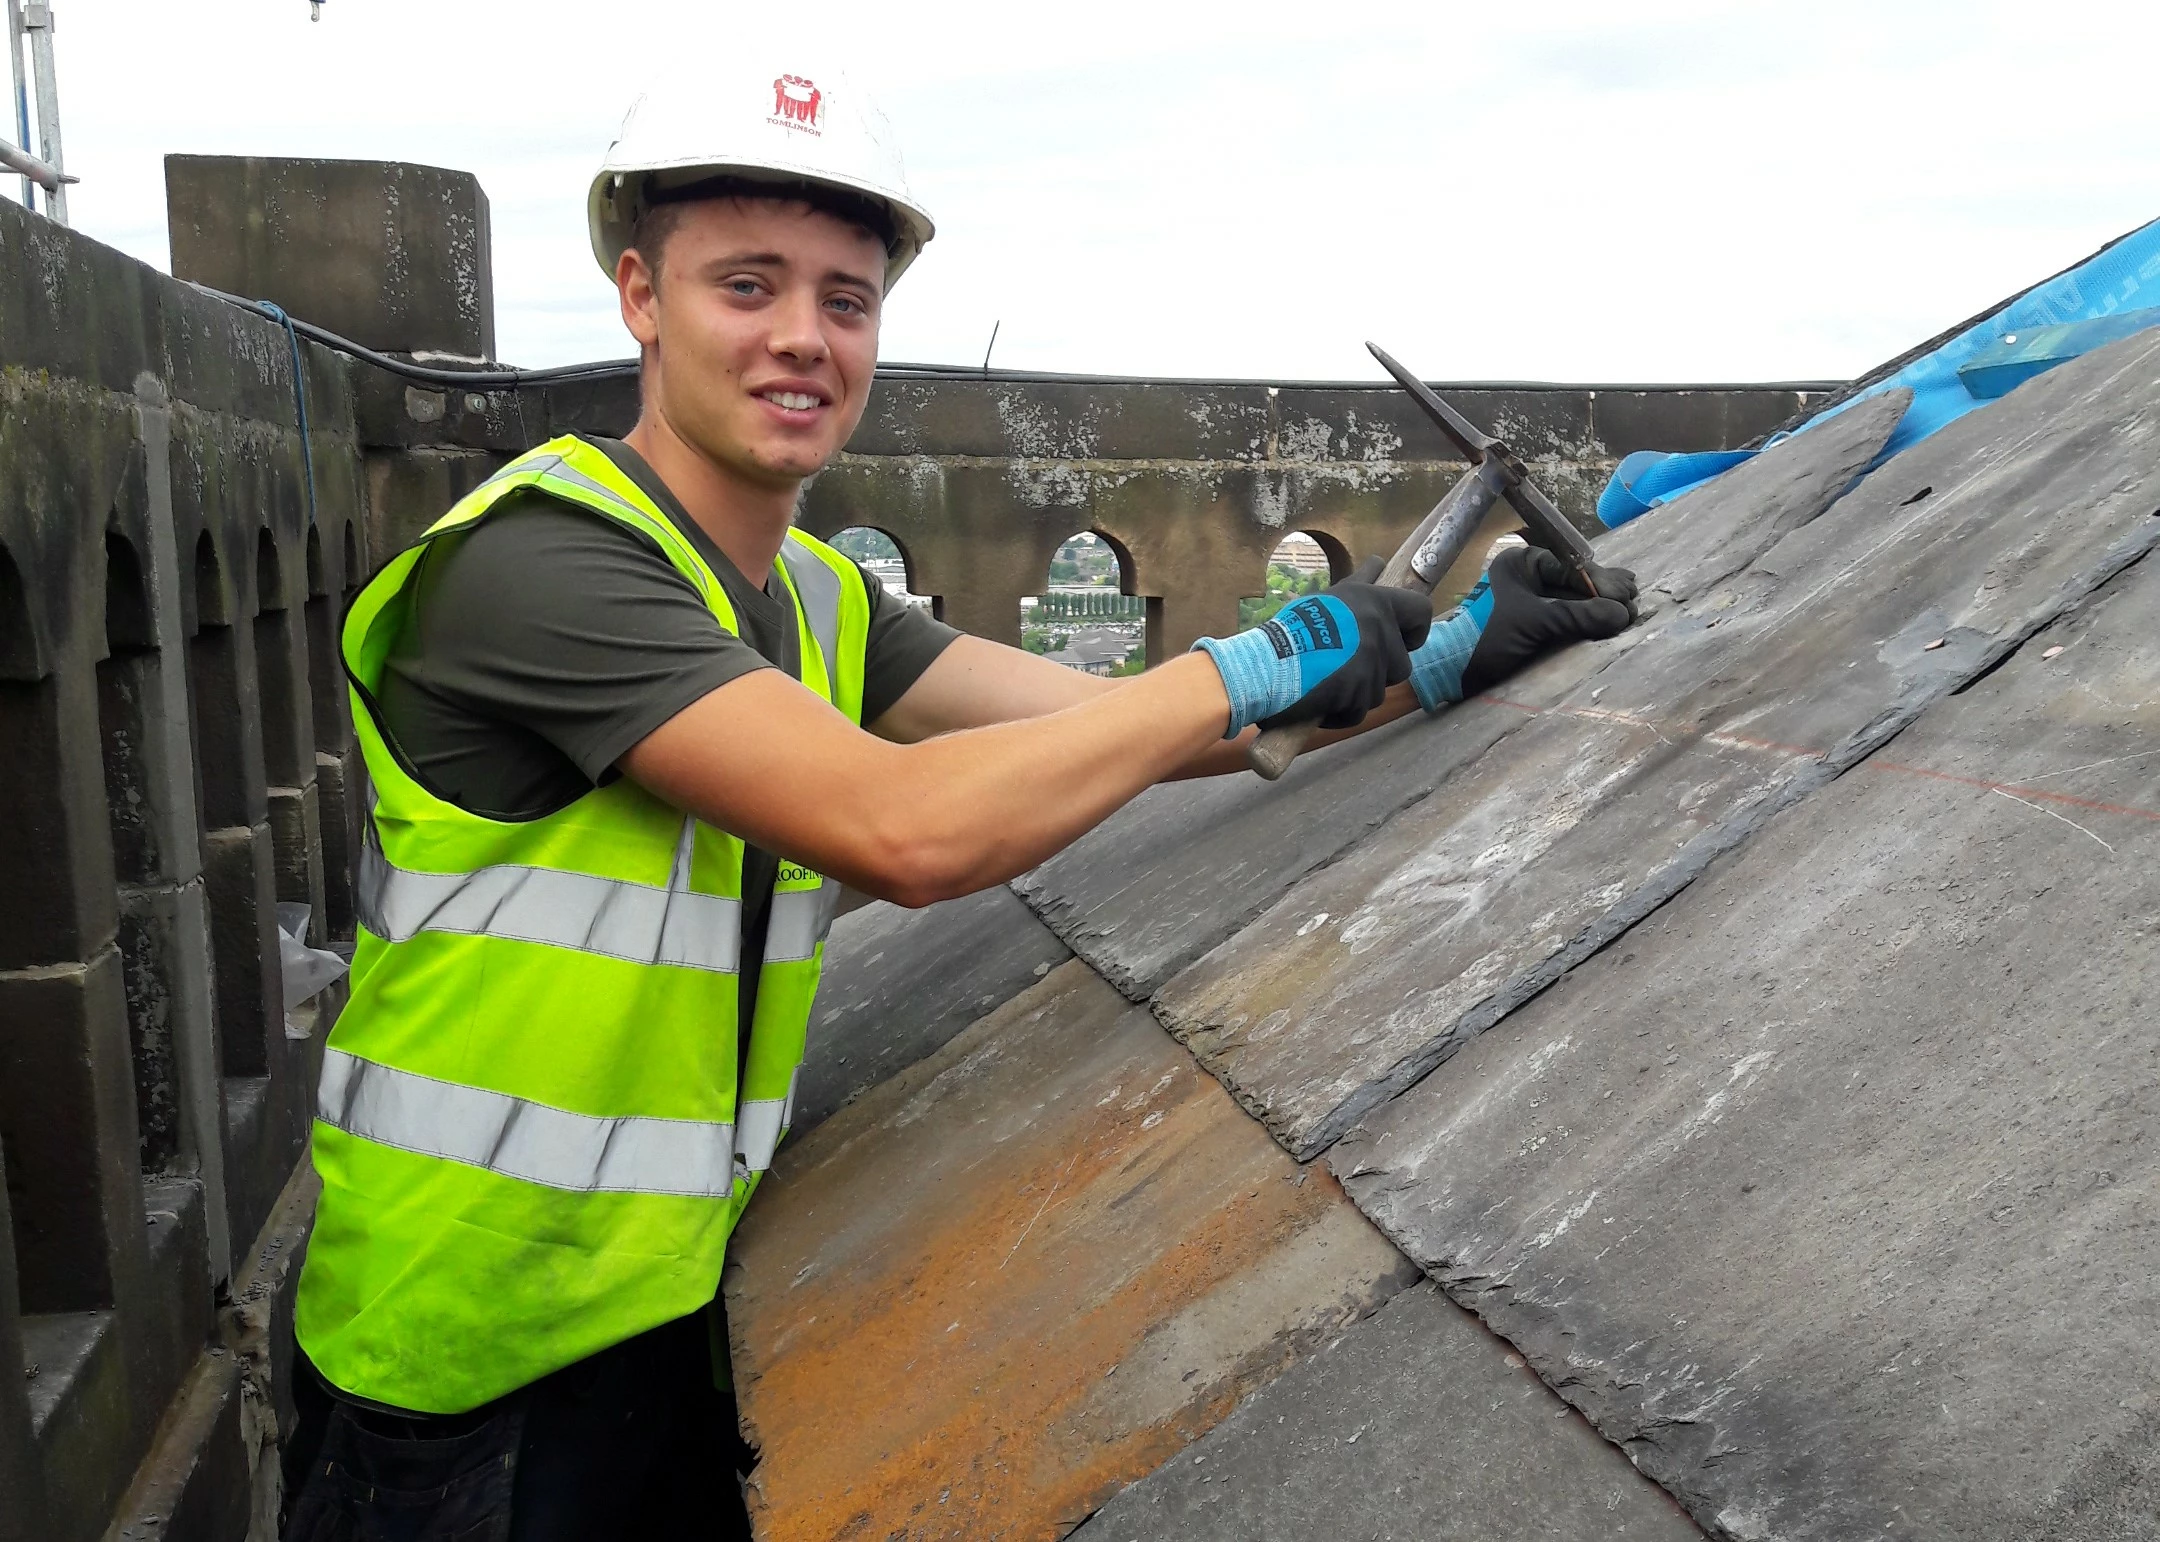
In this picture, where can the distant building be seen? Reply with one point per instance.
(891, 573)
(1301, 554)
(1093, 652)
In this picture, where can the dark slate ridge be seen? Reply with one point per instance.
(897, 984)
(1185, 864)
(1693, 733)
(1417, 1425)
(1828, 1192)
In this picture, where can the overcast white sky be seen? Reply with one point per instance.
(1539, 189)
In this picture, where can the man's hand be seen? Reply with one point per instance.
(1528, 603)
(1329, 656)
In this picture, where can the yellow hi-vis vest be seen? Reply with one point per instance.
(530, 1132)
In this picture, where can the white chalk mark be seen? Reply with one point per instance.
(2072, 823)
(2112, 760)
(1039, 1209)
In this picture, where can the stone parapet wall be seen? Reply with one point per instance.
(1193, 483)
(175, 760)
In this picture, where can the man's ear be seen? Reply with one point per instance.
(638, 288)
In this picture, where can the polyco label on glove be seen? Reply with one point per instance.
(1315, 629)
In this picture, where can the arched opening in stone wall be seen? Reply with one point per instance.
(138, 802)
(1087, 616)
(1303, 562)
(885, 560)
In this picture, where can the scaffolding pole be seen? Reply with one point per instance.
(21, 98)
(37, 20)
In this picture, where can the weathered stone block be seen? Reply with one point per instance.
(67, 1120)
(389, 254)
(1688, 418)
(238, 871)
(341, 788)
(55, 844)
(297, 851)
(72, 306)
(408, 490)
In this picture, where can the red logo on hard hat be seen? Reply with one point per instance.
(797, 104)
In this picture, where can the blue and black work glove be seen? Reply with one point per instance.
(1528, 603)
(1329, 656)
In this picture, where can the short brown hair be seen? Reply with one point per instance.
(660, 211)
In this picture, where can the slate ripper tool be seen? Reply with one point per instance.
(1496, 472)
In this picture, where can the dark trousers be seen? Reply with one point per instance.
(633, 1442)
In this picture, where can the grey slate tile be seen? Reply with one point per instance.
(1832, 1191)
(899, 983)
(1186, 863)
(1417, 1425)
(1695, 730)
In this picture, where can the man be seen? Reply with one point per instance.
(627, 731)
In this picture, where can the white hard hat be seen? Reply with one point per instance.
(762, 121)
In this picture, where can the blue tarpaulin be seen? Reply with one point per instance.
(2124, 277)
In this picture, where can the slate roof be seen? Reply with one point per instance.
(1745, 1027)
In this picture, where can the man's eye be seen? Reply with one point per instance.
(745, 287)
(844, 304)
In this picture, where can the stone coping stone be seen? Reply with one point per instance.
(1832, 1191)
(1685, 738)
(1417, 1425)
(897, 984)
(1020, 1275)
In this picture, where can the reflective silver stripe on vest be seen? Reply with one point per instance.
(632, 921)
(799, 921)
(819, 587)
(555, 466)
(520, 1139)
(759, 1124)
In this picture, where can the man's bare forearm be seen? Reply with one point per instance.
(976, 682)
(920, 822)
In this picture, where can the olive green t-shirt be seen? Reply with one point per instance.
(547, 641)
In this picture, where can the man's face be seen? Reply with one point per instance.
(762, 332)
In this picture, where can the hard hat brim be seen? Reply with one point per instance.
(617, 196)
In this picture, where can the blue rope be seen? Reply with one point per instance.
(299, 391)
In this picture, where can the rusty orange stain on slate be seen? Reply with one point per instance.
(1023, 1274)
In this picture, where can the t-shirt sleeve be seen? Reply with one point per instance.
(904, 641)
(571, 626)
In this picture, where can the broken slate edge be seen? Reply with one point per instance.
(1417, 1422)
(1677, 749)
(1711, 533)
(964, 1256)
(898, 983)
(1829, 1192)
